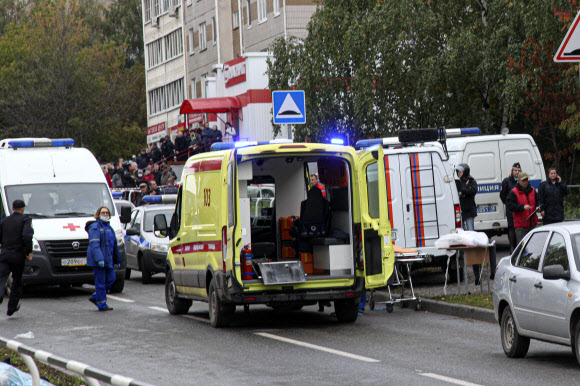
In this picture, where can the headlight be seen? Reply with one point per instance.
(159, 247)
(35, 245)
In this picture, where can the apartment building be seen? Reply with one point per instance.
(216, 37)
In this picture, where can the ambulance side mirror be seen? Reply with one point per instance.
(125, 214)
(160, 225)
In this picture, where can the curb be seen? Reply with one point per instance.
(458, 310)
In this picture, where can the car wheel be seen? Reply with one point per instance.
(175, 305)
(220, 314)
(127, 273)
(346, 310)
(514, 345)
(576, 346)
(119, 285)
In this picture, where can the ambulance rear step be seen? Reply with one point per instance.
(282, 272)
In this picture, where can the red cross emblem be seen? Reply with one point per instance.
(72, 227)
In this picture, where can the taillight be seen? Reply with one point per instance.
(224, 246)
(457, 216)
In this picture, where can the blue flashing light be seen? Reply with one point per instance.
(470, 131)
(117, 194)
(63, 142)
(222, 146)
(337, 141)
(17, 144)
(369, 142)
(245, 143)
(152, 199)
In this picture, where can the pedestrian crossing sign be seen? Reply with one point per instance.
(289, 107)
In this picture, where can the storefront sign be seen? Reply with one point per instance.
(156, 128)
(235, 71)
(194, 118)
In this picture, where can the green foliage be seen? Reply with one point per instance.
(56, 80)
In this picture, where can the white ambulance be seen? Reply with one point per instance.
(490, 158)
(62, 187)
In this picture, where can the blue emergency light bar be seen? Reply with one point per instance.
(41, 142)
(117, 194)
(337, 141)
(231, 145)
(158, 199)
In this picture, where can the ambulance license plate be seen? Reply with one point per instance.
(487, 209)
(73, 262)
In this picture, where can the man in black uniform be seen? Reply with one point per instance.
(16, 237)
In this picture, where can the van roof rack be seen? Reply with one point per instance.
(414, 136)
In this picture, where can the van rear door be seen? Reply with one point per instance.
(378, 252)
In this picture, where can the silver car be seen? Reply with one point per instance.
(536, 293)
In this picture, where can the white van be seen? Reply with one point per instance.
(62, 187)
(422, 199)
(490, 158)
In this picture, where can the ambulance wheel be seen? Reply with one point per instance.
(346, 310)
(220, 314)
(175, 305)
(118, 286)
(127, 273)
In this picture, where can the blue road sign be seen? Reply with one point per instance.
(289, 107)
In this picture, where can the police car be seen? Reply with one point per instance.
(146, 252)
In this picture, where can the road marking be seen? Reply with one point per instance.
(196, 318)
(316, 347)
(160, 309)
(449, 379)
(120, 299)
(83, 328)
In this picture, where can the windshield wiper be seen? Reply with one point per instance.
(73, 214)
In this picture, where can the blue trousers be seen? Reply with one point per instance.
(104, 280)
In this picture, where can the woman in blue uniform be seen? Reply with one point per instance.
(103, 255)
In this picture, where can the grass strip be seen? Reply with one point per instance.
(48, 373)
(482, 301)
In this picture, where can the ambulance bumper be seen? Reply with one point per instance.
(235, 294)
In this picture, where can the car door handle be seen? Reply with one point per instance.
(538, 285)
(513, 278)
(408, 207)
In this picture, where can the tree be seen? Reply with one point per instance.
(57, 80)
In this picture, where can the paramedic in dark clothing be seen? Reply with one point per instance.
(523, 202)
(155, 153)
(181, 146)
(467, 189)
(506, 186)
(551, 195)
(167, 149)
(16, 237)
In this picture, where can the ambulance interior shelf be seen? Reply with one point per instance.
(271, 191)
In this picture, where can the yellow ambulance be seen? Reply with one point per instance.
(253, 226)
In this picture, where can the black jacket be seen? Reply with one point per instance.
(142, 161)
(181, 143)
(551, 197)
(467, 189)
(156, 154)
(128, 180)
(16, 233)
(167, 149)
(507, 185)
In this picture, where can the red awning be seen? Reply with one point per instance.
(210, 105)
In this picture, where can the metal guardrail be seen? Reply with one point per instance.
(90, 374)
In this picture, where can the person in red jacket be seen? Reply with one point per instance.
(107, 176)
(314, 182)
(523, 202)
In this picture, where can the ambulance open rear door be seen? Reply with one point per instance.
(378, 252)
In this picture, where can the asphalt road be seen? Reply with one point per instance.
(140, 339)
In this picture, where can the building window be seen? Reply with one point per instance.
(166, 97)
(249, 8)
(276, 7)
(155, 53)
(156, 8)
(202, 37)
(173, 44)
(188, 3)
(236, 20)
(165, 5)
(262, 10)
(193, 89)
(191, 42)
(147, 7)
(213, 31)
